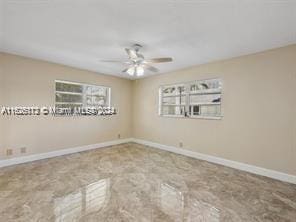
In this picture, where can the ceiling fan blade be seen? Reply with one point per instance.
(132, 54)
(150, 68)
(158, 60)
(140, 56)
(125, 70)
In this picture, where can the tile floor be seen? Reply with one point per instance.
(132, 182)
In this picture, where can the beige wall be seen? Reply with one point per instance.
(258, 104)
(294, 118)
(31, 82)
(1, 102)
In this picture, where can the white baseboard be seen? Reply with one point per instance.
(229, 163)
(40, 156)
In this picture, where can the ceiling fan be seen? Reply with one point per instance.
(136, 63)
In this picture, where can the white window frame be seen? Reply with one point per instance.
(173, 95)
(187, 94)
(83, 93)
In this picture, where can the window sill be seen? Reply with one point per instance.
(206, 117)
(193, 117)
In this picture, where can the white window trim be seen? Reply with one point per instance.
(83, 92)
(187, 102)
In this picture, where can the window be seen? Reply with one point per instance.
(173, 100)
(78, 95)
(197, 99)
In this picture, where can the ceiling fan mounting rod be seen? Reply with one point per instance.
(137, 47)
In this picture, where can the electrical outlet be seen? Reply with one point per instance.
(181, 144)
(119, 136)
(23, 149)
(9, 152)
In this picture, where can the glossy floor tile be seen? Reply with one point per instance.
(131, 182)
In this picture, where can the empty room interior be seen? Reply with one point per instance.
(143, 111)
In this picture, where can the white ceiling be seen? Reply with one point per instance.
(80, 33)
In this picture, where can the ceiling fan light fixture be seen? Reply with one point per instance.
(140, 71)
(131, 71)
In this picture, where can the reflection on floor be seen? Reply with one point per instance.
(171, 201)
(172, 204)
(131, 182)
(85, 200)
